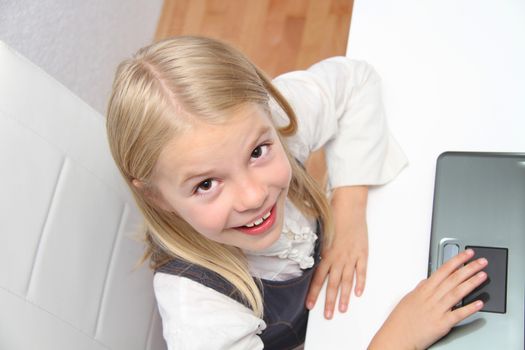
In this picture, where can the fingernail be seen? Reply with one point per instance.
(343, 307)
(479, 304)
(482, 261)
(482, 275)
(309, 305)
(328, 315)
(469, 252)
(358, 292)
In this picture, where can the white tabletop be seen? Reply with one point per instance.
(454, 80)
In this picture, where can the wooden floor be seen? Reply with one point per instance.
(277, 35)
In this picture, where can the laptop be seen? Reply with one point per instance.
(479, 203)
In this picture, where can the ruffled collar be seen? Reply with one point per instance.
(297, 240)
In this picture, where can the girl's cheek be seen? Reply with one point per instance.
(208, 220)
(282, 171)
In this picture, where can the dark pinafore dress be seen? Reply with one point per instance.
(285, 313)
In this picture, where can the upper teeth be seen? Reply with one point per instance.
(259, 221)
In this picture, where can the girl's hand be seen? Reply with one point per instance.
(426, 314)
(347, 256)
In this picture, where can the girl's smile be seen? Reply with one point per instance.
(261, 225)
(228, 180)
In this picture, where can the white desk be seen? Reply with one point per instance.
(454, 79)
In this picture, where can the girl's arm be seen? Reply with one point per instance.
(339, 105)
(427, 313)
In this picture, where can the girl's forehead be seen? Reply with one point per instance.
(203, 144)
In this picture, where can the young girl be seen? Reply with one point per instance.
(241, 238)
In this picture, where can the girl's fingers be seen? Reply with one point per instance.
(316, 284)
(334, 279)
(463, 312)
(448, 268)
(360, 277)
(462, 290)
(346, 287)
(451, 286)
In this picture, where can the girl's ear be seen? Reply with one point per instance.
(154, 197)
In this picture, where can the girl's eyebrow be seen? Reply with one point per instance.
(191, 175)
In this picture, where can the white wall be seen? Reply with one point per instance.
(79, 42)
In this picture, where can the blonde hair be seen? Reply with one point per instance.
(153, 93)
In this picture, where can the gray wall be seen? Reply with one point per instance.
(79, 42)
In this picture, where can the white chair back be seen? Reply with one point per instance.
(67, 225)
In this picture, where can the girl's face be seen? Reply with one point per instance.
(228, 181)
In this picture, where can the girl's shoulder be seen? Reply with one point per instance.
(201, 275)
(194, 315)
(188, 289)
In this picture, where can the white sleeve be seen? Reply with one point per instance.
(338, 103)
(197, 317)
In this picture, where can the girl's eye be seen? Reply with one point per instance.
(205, 186)
(260, 151)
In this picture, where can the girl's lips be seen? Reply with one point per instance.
(266, 225)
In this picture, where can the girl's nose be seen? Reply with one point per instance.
(250, 194)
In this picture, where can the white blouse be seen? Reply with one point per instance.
(338, 106)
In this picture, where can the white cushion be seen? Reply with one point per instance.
(68, 225)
